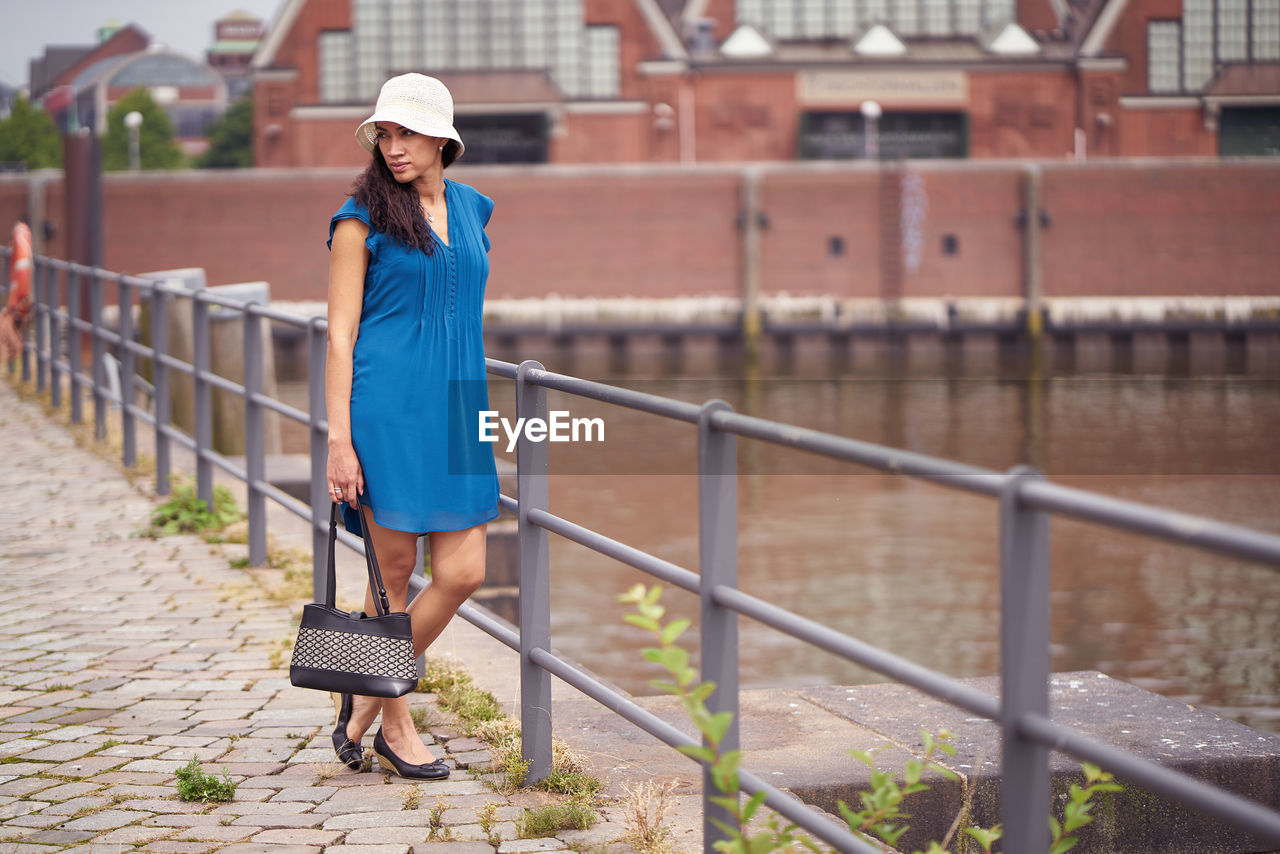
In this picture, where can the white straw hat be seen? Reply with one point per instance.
(415, 101)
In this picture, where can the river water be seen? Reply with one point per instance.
(914, 567)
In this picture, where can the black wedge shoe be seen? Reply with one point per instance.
(349, 753)
(430, 771)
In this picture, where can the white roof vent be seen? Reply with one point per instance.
(746, 43)
(1012, 40)
(879, 40)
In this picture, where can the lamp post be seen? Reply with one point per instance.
(133, 121)
(871, 113)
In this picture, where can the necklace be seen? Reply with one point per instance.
(430, 217)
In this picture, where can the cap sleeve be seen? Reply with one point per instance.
(352, 209)
(484, 209)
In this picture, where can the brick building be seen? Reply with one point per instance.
(577, 81)
(236, 37)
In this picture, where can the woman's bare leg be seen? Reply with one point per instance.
(457, 570)
(397, 556)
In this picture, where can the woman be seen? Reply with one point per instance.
(404, 376)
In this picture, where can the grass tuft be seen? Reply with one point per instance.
(644, 816)
(195, 785)
(551, 819)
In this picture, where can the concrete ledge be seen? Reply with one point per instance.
(798, 740)
(1200, 744)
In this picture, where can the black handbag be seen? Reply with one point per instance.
(350, 653)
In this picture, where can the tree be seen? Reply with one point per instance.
(29, 136)
(155, 136)
(231, 138)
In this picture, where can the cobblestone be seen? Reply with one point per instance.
(164, 652)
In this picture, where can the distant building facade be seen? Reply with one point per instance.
(236, 39)
(577, 81)
(78, 85)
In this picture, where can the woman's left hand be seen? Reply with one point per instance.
(345, 478)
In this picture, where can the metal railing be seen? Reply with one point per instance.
(1027, 501)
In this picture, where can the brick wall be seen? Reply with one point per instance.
(1122, 229)
(1135, 230)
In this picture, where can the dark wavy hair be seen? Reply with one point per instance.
(395, 209)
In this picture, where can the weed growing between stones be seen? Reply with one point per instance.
(645, 817)
(185, 513)
(576, 784)
(435, 822)
(488, 818)
(881, 814)
(455, 690)
(411, 797)
(195, 785)
(551, 819)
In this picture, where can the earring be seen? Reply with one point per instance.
(441, 148)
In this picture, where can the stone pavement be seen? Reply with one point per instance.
(123, 657)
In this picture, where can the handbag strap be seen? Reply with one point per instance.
(380, 602)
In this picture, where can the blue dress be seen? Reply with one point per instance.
(418, 375)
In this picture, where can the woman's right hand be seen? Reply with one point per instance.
(344, 475)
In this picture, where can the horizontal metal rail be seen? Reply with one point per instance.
(1195, 531)
(638, 400)
(1208, 800)
(860, 652)
(663, 570)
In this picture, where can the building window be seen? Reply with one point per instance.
(811, 23)
(335, 67)
(996, 12)
(1233, 30)
(968, 17)
(436, 44)
(404, 28)
(502, 34)
(566, 45)
(937, 17)
(369, 23)
(1197, 44)
(602, 67)
(1224, 31)
(1266, 30)
(190, 122)
(1163, 74)
(905, 17)
(875, 12)
(535, 34)
(824, 19)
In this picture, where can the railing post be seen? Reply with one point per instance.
(535, 579)
(128, 369)
(160, 379)
(40, 316)
(74, 337)
(1024, 665)
(255, 463)
(98, 349)
(203, 398)
(54, 298)
(317, 341)
(718, 565)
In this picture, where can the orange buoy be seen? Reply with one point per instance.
(18, 305)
